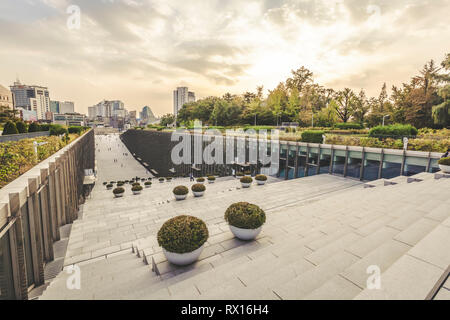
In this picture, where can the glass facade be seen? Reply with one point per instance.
(301, 161)
(391, 166)
(313, 161)
(6, 278)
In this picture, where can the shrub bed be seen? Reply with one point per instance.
(396, 130)
(182, 234)
(312, 136)
(349, 125)
(245, 215)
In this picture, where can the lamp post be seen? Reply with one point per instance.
(386, 116)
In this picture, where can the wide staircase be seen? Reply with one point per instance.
(323, 239)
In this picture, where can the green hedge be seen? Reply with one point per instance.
(396, 130)
(312, 136)
(349, 126)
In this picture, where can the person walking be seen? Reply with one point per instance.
(447, 154)
(191, 177)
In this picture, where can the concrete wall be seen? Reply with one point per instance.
(34, 206)
(20, 136)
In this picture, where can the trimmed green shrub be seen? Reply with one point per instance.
(161, 179)
(56, 130)
(198, 187)
(240, 174)
(211, 178)
(168, 179)
(75, 129)
(397, 130)
(119, 184)
(135, 184)
(246, 179)
(200, 179)
(34, 127)
(444, 161)
(109, 185)
(349, 126)
(118, 190)
(44, 127)
(148, 183)
(247, 172)
(312, 136)
(182, 234)
(180, 190)
(9, 128)
(137, 187)
(245, 215)
(21, 127)
(261, 177)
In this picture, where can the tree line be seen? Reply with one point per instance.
(422, 102)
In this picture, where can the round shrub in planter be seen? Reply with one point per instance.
(211, 179)
(444, 164)
(182, 239)
(198, 189)
(180, 192)
(148, 184)
(245, 220)
(135, 184)
(239, 174)
(120, 183)
(118, 192)
(109, 186)
(105, 183)
(246, 182)
(200, 180)
(261, 179)
(137, 189)
(161, 180)
(168, 179)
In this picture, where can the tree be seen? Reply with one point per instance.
(9, 128)
(167, 119)
(361, 107)
(21, 127)
(299, 79)
(441, 112)
(345, 104)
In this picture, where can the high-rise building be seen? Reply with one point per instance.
(34, 98)
(107, 109)
(181, 96)
(66, 107)
(6, 99)
(54, 106)
(146, 115)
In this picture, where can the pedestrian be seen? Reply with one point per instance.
(191, 177)
(447, 154)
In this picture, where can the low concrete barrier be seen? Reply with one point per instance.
(20, 136)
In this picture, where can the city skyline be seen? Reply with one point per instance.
(356, 44)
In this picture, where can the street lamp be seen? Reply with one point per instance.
(386, 116)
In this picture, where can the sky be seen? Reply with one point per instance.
(139, 51)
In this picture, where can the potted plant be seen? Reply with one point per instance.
(201, 180)
(109, 186)
(148, 184)
(168, 179)
(444, 164)
(246, 181)
(198, 189)
(118, 192)
(211, 179)
(180, 192)
(120, 183)
(161, 180)
(261, 179)
(105, 183)
(239, 175)
(182, 239)
(137, 188)
(245, 220)
(135, 184)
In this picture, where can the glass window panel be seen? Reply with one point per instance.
(415, 165)
(434, 166)
(302, 151)
(339, 162)
(6, 276)
(325, 160)
(292, 153)
(354, 164)
(283, 151)
(391, 166)
(301, 164)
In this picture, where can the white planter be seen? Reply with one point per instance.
(183, 259)
(180, 197)
(136, 192)
(109, 188)
(148, 185)
(245, 234)
(201, 182)
(118, 195)
(246, 185)
(161, 181)
(260, 183)
(444, 168)
(211, 181)
(198, 194)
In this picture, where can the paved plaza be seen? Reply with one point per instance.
(321, 236)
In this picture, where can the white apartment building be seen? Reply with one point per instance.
(107, 109)
(6, 99)
(181, 96)
(33, 98)
(66, 107)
